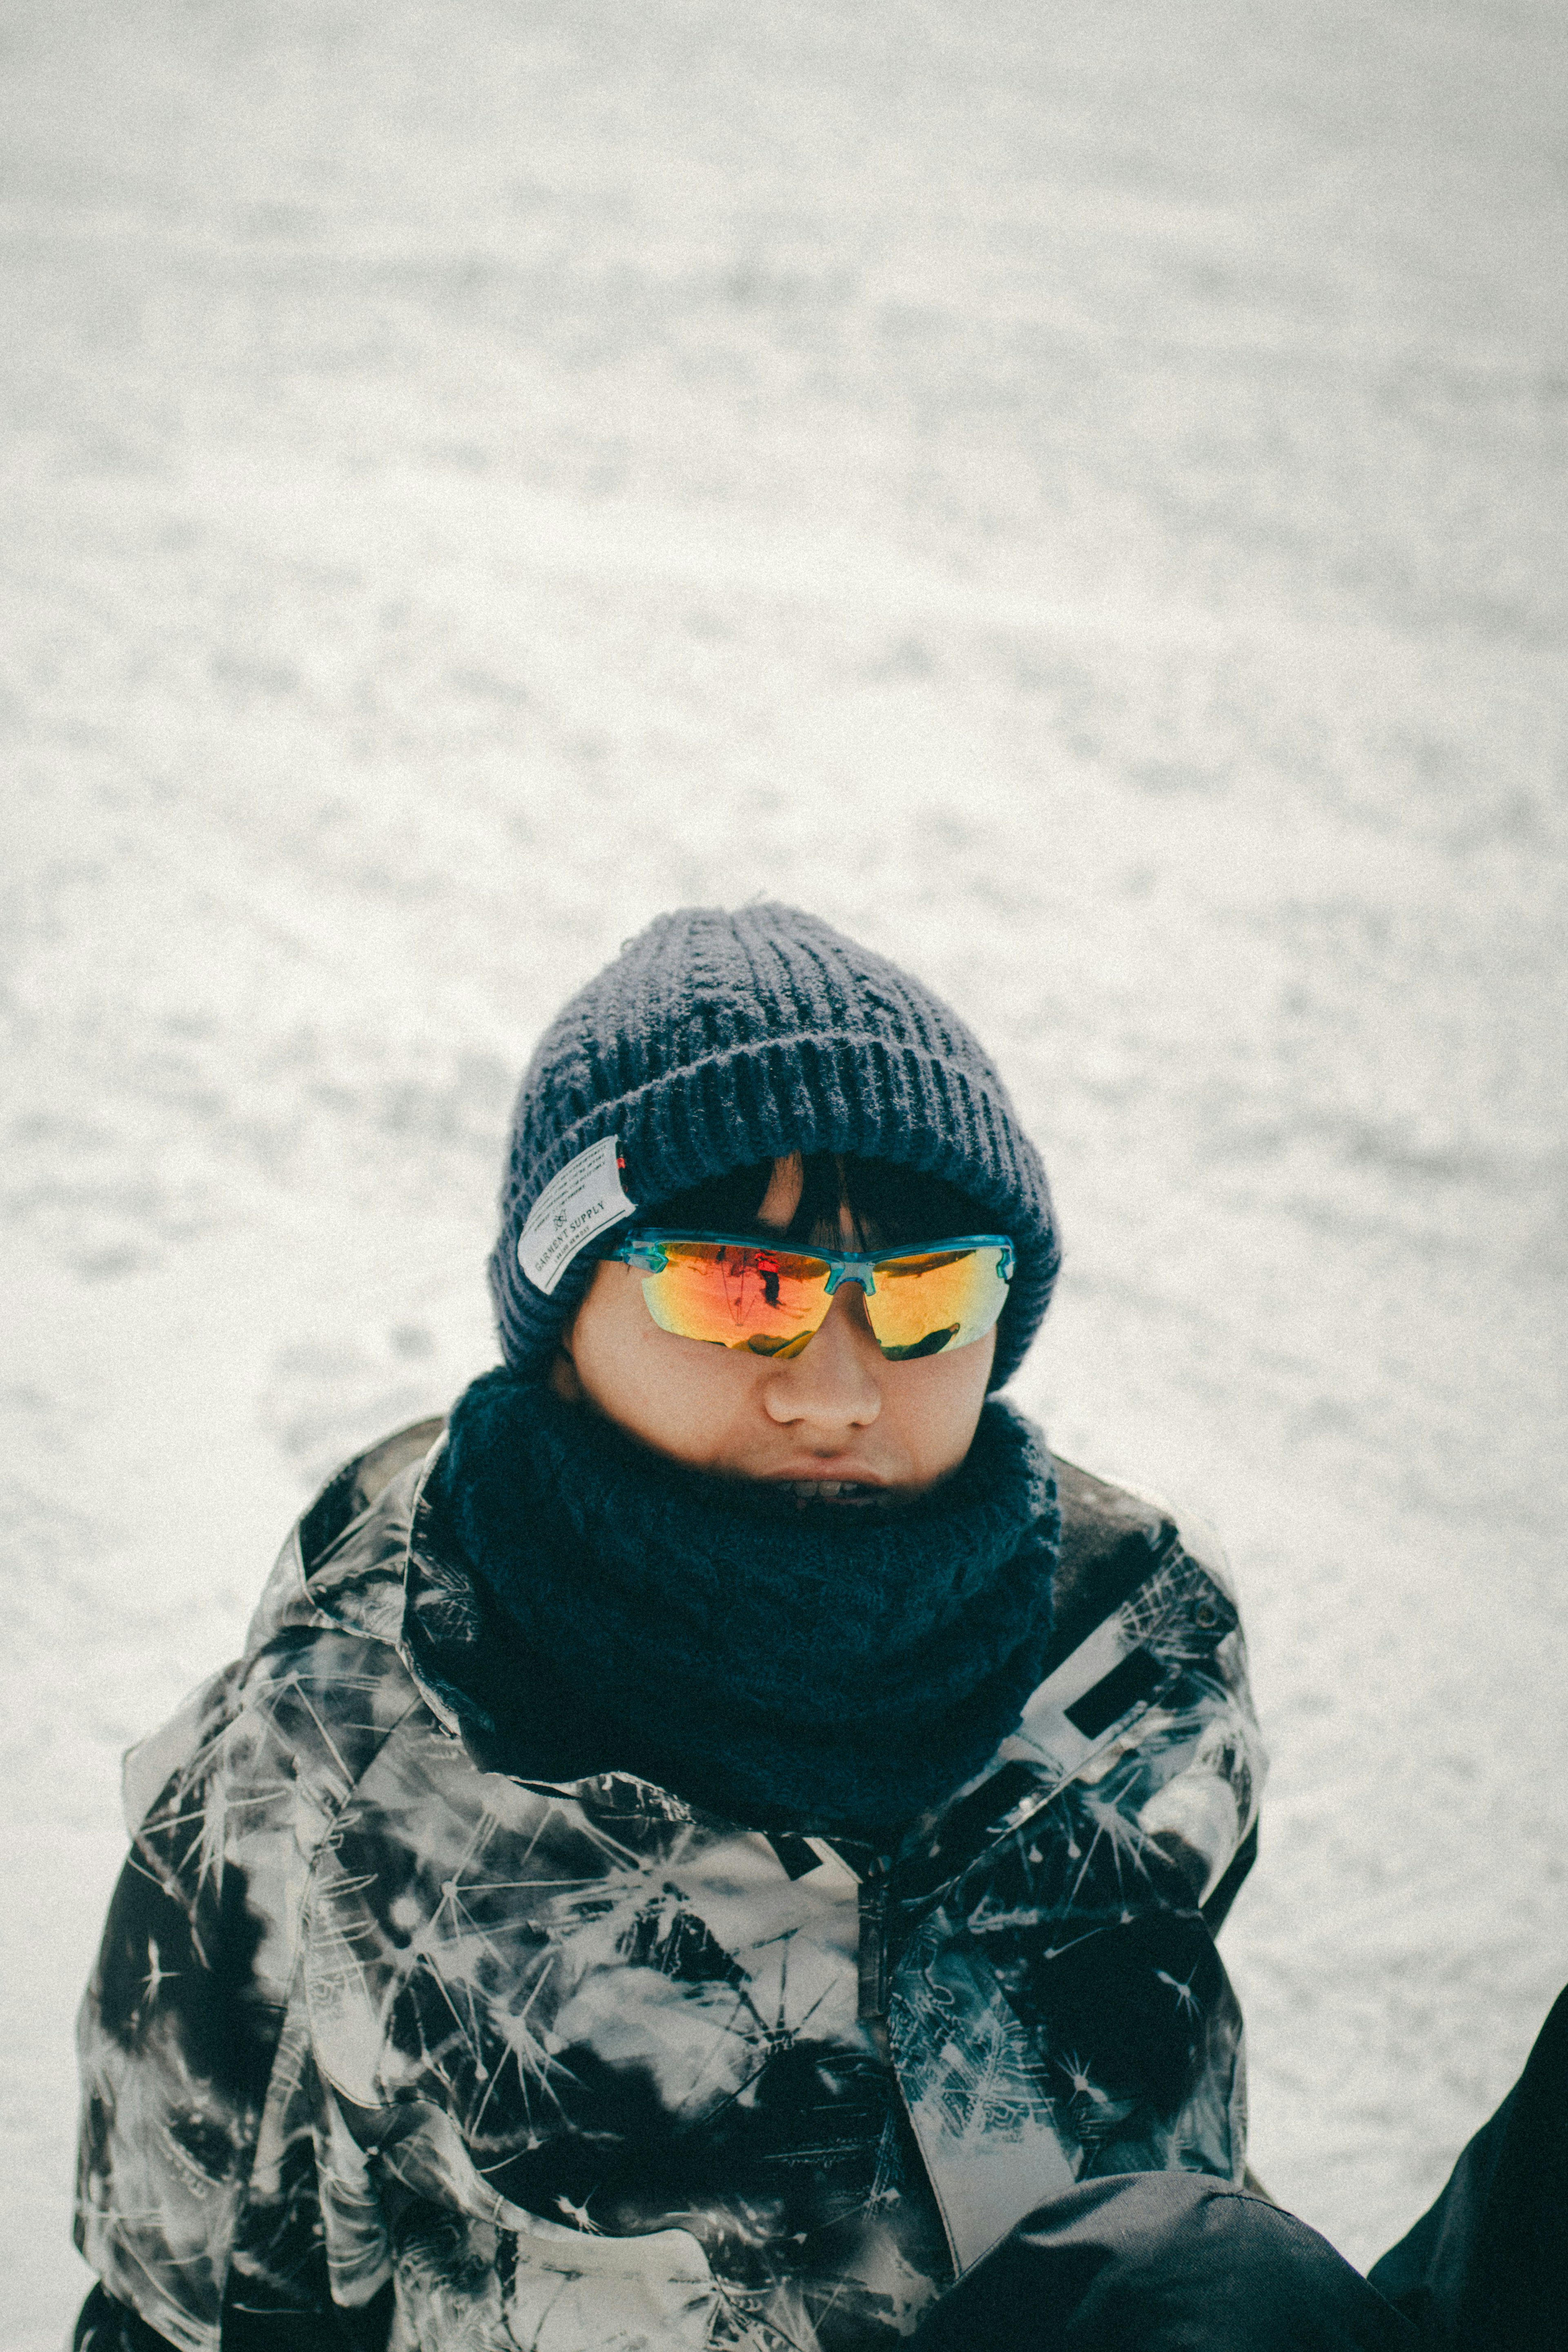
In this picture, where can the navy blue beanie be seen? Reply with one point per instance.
(718, 1040)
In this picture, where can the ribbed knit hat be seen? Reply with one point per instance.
(718, 1040)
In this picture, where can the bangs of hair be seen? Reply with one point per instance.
(890, 1206)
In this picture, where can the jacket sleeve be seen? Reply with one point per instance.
(201, 2117)
(1060, 2010)
(175, 2049)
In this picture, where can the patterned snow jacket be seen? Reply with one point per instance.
(379, 2039)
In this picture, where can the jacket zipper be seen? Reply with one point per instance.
(873, 1992)
(872, 1947)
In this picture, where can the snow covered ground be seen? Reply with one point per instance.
(1075, 494)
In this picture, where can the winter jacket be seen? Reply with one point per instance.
(377, 2037)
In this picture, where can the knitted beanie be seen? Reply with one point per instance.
(718, 1040)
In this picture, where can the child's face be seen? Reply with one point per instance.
(838, 1414)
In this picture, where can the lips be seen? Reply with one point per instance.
(836, 1490)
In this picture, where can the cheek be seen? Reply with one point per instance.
(613, 1341)
(936, 1404)
(676, 1395)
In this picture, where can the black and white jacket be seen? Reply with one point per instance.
(379, 2040)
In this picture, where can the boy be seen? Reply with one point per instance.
(728, 1834)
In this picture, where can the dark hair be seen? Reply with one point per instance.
(888, 1204)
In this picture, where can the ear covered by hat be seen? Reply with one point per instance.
(717, 1040)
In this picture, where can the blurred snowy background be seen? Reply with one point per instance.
(1076, 495)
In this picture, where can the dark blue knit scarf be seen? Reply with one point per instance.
(775, 1663)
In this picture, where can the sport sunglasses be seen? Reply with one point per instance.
(736, 1293)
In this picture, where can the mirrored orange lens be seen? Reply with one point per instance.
(767, 1301)
(733, 1294)
(935, 1299)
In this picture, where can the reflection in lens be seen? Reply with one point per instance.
(936, 1300)
(731, 1294)
(932, 1345)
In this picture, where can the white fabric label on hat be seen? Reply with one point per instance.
(575, 1206)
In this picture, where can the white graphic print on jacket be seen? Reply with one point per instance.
(569, 2068)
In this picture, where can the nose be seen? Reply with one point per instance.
(834, 1384)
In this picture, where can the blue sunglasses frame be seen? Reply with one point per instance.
(641, 1248)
